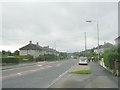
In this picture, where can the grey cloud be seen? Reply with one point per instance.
(60, 22)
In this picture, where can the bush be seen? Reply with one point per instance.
(16, 59)
(40, 58)
(26, 58)
(109, 58)
(10, 59)
(63, 56)
(50, 57)
(47, 57)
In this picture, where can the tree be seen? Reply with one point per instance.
(16, 52)
(3, 52)
(9, 53)
(63, 55)
(110, 56)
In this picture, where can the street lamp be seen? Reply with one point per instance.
(97, 34)
(89, 21)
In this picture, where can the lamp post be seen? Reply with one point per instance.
(97, 34)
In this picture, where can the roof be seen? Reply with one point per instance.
(107, 45)
(49, 49)
(117, 38)
(31, 47)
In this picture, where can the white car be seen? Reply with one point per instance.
(83, 61)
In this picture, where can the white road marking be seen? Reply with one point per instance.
(42, 68)
(59, 77)
(39, 65)
(48, 66)
(51, 62)
(17, 68)
(41, 62)
(33, 70)
(19, 73)
(23, 73)
(24, 64)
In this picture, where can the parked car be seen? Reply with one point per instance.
(83, 61)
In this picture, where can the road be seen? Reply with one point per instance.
(40, 75)
(55, 75)
(100, 78)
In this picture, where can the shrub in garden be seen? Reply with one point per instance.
(10, 59)
(50, 57)
(26, 58)
(109, 58)
(40, 58)
(16, 59)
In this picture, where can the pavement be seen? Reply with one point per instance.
(100, 78)
(72, 80)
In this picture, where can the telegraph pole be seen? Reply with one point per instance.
(98, 39)
(85, 43)
(55, 51)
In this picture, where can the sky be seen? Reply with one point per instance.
(57, 24)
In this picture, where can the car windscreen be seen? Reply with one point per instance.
(83, 58)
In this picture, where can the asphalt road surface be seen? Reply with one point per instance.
(100, 78)
(55, 75)
(39, 75)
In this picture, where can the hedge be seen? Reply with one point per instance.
(26, 58)
(10, 59)
(40, 58)
(16, 59)
(49, 57)
(109, 58)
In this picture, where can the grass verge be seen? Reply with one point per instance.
(82, 72)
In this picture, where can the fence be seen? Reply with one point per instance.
(115, 70)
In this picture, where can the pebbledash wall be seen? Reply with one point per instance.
(34, 53)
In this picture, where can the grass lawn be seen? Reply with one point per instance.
(82, 72)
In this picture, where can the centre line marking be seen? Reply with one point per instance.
(42, 68)
(39, 65)
(19, 74)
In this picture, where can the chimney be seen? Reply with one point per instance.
(30, 42)
(37, 43)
